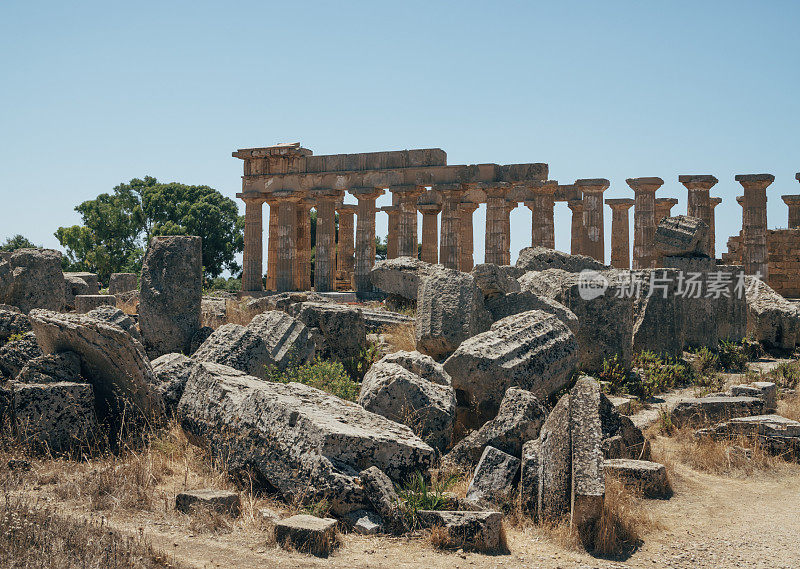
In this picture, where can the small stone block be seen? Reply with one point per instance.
(648, 477)
(308, 534)
(222, 501)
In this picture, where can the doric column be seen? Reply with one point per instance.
(303, 260)
(449, 251)
(496, 243)
(620, 232)
(531, 206)
(430, 231)
(466, 259)
(345, 262)
(664, 208)
(365, 237)
(253, 245)
(272, 245)
(325, 254)
(712, 238)
(577, 228)
(754, 222)
(544, 233)
(793, 201)
(287, 240)
(593, 216)
(644, 220)
(392, 245)
(407, 243)
(698, 199)
(511, 205)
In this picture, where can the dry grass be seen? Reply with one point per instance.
(445, 539)
(790, 407)
(401, 337)
(624, 521)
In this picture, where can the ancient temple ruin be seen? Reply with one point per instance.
(292, 181)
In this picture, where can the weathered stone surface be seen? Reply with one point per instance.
(16, 353)
(291, 432)
(221, 501)
(115, 316)
(203, 333)
(128, 302)
(603, 309)
(530, 466)
(288, 340)
(91, 280)
(533, 350)
(379, 491)
(713, 409)
(379, 320)
(393, 391)
(771, 319)
(12, 322)
(588, 480)
(644, 476)
(494, 477)
(543, 258)
(52, 368)
(172, 371)
(308, 534)
(494, 280)
(122, 282)
(518, 420)
(74, 286)
(450, 309)
(556, 458)
(56, 416)
(471, 531)
(111, 360)
(681, 235)
(213, 311)
(365, 522)
(779, 435)
(657, 315)
(36, 280)
(424, 366)
(399, 276)
(242, 312)
(86, 302)
(171, 291)
(238, 347)
(765, 390)
(517, 302)
(342, 327)
(621, 438)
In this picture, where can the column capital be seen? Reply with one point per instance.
(390, 209)
(622, 204)
(347, 208)
(544, 188)
(575, 206)
(367, 193)
(755, 181)
(325, 194)
(697, 181)
(667, 202)
(793, 200)
(253, 199)
(740, 200)
(714, 202)
(646, 184)
(407, 190)
(592, 185)
(467, 207)
(429, 208)
(288, 196)
(450, 190)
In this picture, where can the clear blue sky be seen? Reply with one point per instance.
(96, 93)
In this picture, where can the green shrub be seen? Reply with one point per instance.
(12, 338)
(707, 362)
(615, 374)
(417, 494)
(786, 375)
(655, 374)
(733, 356)
(327, 375)
(358, 366)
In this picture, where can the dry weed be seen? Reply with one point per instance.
(623, 522)
(401, 337)
(790, 407)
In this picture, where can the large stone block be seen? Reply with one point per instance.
(765, 390)
(171, 292)
(393, 391)
(450, 309)
(516, 302)
(35, 280)
(379, 491)
(698, 312)
(111, 360)
(305, 443)
(288, 340)
(238, 347)
(530, 467)
(588, 479)
(16, 353)
(649, 478)
(399, 276)
(470, 531)
(424, 366)
(308, 534)
(657, 315)
(122, 282)
(681, 235)
(343, 327)
(556, 461)
(221, 501)
(543, 258)
(771, 319)
(493, 481)
(778, 435)
(87, 302)
(494, 280)
(533, 350)
(172, 371)
(52, 368)
(74, 286)
(12, 323)
(713, 409)
(117, 317)
(91, 279)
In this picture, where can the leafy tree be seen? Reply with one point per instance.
(381, 250)
(117, 226)
(16, 242)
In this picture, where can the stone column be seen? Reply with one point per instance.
(303, 260)
(496, 241)
(430, 231)
(510, 206)
(593, 216)
(531, 206)
(577, 229)
(664, 208)
(345, 261)
(754, 222)
(449, 242)
(272, 245)
(365, 237)
(543, 231)
(793, 201)
(287, 240)
(712, 239)
(620, 232)
(699, 201)
(644, 220)
(253, 246)
(407, 243)
(392, 245)
(466, 259)
(325, 255)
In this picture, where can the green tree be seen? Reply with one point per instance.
(16, 242)
(381, 250)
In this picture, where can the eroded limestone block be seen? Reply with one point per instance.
(588, 479)
(556, 461)
(342, 327)
(771, 319)
(16, 353)
(470, 531)
(494, 478)
(115, 316)
(543, 258)
(516, 302)
(649, 478)
(530, 466)
(681, 235)
(172, 371)
(714, 408)
(238, 347)
(494, 280)
(52, 368)
(222, 501)
(122, 282)
(12, 322)
(288, 340)
(86, 302)
(308, 534)
(765, 390)
(399, 276)
(36, 280)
